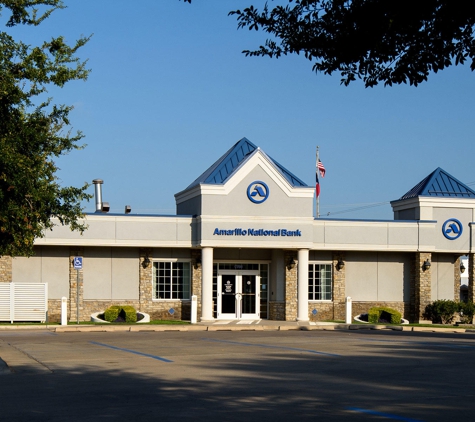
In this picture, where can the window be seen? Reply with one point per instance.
(319, 282)
(171, 280)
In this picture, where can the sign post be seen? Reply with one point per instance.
(77, 266)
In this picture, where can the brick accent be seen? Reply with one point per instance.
(277, 311)
(457, 278)
(325, 311)
(5, 269)
(338, 283)
(471, 275)
(331, 311)
(290, 287)
(54, 310)
(145, 280)
(196, 276)
(420, 286)
(157, 310)
(76, 281)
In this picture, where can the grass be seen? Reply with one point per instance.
(448, 326)
(34, 323)
(179, 322)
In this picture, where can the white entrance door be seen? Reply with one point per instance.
(238, 295)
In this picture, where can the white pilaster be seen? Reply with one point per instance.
(207, 284)
(302, 283)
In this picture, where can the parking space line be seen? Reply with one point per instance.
(294, 349)
(383, 415)
(131, 351)
(423, 343)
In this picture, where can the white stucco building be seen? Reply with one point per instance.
(245, 242)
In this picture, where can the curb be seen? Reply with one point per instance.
(212, 328)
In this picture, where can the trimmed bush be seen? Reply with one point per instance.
(376, 314)
(126, 312)
(467, 311)
(441, 311)
(130, 313)
(112, 313)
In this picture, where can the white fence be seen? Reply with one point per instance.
(23, 302)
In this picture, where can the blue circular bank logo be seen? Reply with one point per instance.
(452, 229)
(257, 192)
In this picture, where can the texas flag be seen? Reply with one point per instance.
(320, 169)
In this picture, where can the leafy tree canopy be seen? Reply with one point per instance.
(33, 131)
(387, 41)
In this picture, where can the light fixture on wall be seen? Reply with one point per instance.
(426, 265)
(146, 261)
(462, 267)
(291, 265)
(340, 264)
(197, 263)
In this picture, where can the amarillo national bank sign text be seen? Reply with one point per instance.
(257, 232)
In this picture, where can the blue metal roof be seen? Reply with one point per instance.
(239, 153)
(440, 184)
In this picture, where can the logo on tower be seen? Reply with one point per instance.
(257, 192)
(452, 229)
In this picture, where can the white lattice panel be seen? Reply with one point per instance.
(5, 302)
(23, 301)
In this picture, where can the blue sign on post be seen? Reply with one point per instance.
(77, 262)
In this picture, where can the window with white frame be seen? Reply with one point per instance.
(319, 281)
(171, 280)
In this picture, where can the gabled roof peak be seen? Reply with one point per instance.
(227, 164)
(440, 184)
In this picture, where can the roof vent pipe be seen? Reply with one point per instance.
(98, 192)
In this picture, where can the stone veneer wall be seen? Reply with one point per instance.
(338, 286)
(471, 275)
(277, 311)
(157, 310)
(76, 281)
(290, 287)
(330, 311)
(5, 269)
(54, 310)
(196, 275)
(420, 286)
(363, 307)
(457, 279)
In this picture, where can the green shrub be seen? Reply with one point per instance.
(441, 311)
(128, 313)
(112, 313)
(377, 313)
(467, 311)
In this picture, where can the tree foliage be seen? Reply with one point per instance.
(33, 131)
(378, 41)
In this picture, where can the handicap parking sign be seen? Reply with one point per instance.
(77, 262)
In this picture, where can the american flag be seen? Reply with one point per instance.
(320, 169)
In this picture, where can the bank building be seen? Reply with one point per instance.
(245, 245)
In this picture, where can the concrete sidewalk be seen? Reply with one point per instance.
(232, 325)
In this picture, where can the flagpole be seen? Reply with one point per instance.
(318, 198)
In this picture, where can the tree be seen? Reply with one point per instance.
(33, 134)
(388, 41)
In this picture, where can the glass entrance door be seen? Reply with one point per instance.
(238, 295)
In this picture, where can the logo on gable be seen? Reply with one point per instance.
(257, 192)
(452, 229)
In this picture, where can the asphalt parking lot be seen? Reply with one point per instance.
(236, 376)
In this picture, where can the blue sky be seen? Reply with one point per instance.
(170, 92)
